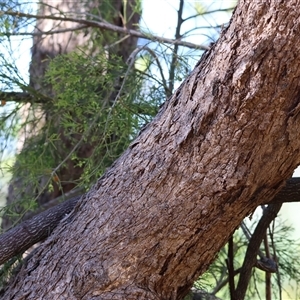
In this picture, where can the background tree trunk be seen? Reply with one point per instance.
(226, 141)
(45, 48)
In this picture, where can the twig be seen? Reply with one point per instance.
(106, 26)
(276, 259)
(175, 50)
(267, 274)
(164, 82)
(223, 283)
(209, 12)
(49, 32)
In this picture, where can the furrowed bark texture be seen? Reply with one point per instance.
(30, 232)
(225, 141)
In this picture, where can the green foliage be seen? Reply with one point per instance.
(95, 111)
(85, 115)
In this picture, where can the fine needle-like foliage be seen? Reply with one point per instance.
(215, 282)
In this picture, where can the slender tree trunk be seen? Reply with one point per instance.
(221, 145)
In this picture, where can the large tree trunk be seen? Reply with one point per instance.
(221, 145)
(45, 48)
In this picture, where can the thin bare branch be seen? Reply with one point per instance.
(267, 274)
(278, 276)
(230, 9)
(164, 82)
(50, 32)
(106, 26)
(23, 97)
(223, 283)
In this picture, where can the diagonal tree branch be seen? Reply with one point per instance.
(34, 230)
(58, 31)
(105, 25)
(289, 193)
(253, 248)
(23, 97)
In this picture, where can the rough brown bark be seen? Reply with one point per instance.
(226, 140)
(26, 234)
(34, 230)
(289, 193)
